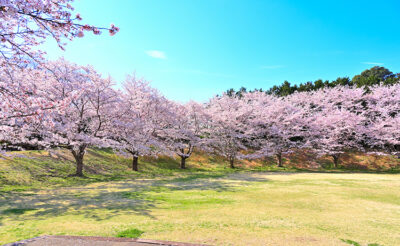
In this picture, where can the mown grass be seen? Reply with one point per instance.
(242, 208)
(131, 233)
(256, 204)
(28, 170)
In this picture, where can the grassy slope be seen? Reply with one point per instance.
(208, 203)
(37, 169)
(43, 169)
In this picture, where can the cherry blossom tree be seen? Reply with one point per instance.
(25, 105)
(87, 118)
(226, 130)
(26, 24)
(336, 131)
(186, 130)
(383, 117)
(143, 115)
(277, 125)
(336, 120)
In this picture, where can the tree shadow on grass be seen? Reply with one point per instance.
(103, 201)
(219, 182)
(89, 201)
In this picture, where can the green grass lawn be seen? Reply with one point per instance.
(256, 204)
(240, 208)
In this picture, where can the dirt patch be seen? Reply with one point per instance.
(94, 241)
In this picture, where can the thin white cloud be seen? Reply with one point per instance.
(198, 72)
(272, 67)
(156, 54)
(373, 63)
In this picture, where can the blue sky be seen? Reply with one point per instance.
(198, 48)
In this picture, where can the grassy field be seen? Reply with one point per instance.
(206, 204)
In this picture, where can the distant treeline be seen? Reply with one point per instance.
(372, 76)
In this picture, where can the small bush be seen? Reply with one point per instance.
(131, 233)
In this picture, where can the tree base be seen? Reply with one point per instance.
(77, 175)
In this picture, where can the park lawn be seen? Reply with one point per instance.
(239, 208)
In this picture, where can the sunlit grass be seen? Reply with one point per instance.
(235, 209)
(255, 204)
(131, 233)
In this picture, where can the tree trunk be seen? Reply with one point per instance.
(79, 166)
(279, 158)
(335, 160)
(231, 162)
(78, 155)
(184, 155)
(183, 162)
(135, 163)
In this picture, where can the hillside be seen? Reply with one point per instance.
(35, 169)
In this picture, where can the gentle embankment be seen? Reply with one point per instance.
(236, 209)
(25, 170)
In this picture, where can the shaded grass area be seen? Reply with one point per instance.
(240, 208)
(37, 169)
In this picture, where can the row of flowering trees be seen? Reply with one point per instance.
(65, 105)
